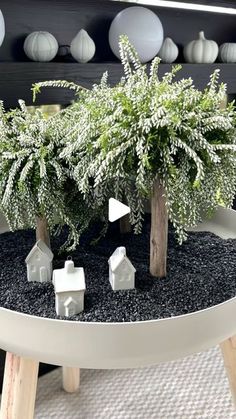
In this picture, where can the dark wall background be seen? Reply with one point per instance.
(64, 18)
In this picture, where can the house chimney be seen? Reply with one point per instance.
(69, 266)
(122, 250)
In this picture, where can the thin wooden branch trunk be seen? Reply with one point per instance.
(42, 231)
(159, 231)
(125, 226)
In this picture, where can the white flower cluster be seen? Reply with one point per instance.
(34, 180)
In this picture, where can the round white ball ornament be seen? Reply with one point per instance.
(143, 28)
(41, 46)
(2, 28)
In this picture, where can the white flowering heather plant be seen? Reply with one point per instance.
(36, 186)
(157, 138)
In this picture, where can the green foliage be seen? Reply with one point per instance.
(145, 127)
(34, 180)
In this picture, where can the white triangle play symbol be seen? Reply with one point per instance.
(117, 210)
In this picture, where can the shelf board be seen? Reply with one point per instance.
(16, 78)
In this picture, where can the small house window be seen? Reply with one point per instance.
(33, 268)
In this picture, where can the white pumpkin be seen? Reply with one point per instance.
(41, 46)
(82, 47)
(2, 28)
(227, 52)
(201, 50)
(169, 51)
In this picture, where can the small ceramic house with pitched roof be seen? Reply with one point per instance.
(39, 263)
(121, 270)
(69, 285)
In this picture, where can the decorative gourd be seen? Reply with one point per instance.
(40, 46)
(2, 28)
(169, 51)
(227, 52)
(201, 50)
(82, 47)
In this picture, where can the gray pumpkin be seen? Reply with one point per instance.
(201, 50)
(40, 46)
(169, 51)
(227, 52)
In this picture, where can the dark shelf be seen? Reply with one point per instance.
(16, 78)
(17, 75)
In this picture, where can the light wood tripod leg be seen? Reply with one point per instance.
(70, 379)
(228, 348)
(19, 387)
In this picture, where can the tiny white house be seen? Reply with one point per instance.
(39, 263)
(69, 285)
(121, 270)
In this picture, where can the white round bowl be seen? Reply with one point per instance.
(123, 345)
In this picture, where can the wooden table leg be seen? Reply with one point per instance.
(19, 387)
(228, 348)
(70, 379)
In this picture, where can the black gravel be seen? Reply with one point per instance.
(201, 273)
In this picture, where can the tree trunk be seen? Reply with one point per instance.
(159, 231)
(42, 231)
(125, 226)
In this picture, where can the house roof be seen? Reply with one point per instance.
(42, 248)
(69, 281)
(118, 257)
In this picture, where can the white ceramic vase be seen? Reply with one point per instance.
(169, 51)
(82, 47)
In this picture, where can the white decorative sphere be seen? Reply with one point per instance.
(143, 28)
(41, 46)
(2, 28)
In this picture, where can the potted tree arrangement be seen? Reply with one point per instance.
(144, 138)
(160, 140)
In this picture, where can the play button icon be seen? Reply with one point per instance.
(117, 210)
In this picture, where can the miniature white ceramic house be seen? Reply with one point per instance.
(121, 270)
(39, 263)
(69, 285)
